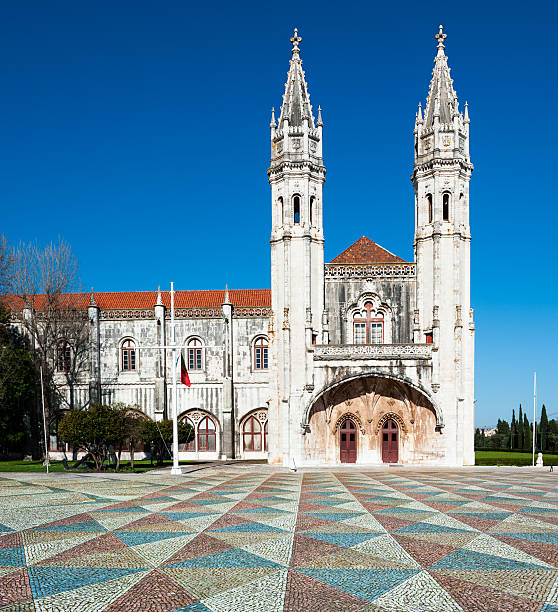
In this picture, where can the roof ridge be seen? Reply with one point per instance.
(365, 250)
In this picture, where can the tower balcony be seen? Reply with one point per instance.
(363, 352)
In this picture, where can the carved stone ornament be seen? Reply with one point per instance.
(262, 416)
(297, 144)
(394, 417)
(313, 146)
(353, 417)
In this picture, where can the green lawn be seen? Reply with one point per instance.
(56, 466)
(483, 457)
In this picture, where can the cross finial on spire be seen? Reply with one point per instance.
(441, 37)
(295, 40)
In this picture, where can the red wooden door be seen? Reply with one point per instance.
(390, 442)
(348, 442)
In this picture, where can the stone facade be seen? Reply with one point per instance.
(368, 358)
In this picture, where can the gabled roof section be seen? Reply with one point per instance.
(240, 298)
(442, 98)
(296, 100)
(365, 251)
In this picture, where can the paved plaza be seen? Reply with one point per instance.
(237, 538)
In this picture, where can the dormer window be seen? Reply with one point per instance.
(296, 209)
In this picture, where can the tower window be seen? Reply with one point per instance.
(296, 209)
(280, 211)
(429, 204)
(445, 206)
(312, 202)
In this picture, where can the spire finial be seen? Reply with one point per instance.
(92, 298)
(227, 293)
(295, 40)
(159, 296)
(272, 123)
(441, 37)
(319, 122)
(419, 112)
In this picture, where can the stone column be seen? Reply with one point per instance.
(94, 352)
(228, 446)
(160, 394)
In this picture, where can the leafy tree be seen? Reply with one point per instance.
(97, 431)
(543, 430)
(159, 436)
(134, 421)
(17, 387)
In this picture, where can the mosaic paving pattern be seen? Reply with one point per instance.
(237, 538)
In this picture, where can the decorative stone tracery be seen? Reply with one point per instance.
(394, 417)
(353, 417)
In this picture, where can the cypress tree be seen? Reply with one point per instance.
(520, 436)
(527, 437)
(543, 429)
(513, 429)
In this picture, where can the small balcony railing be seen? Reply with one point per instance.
(324, 352)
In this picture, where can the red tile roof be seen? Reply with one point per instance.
(240, 298)
(364, 251)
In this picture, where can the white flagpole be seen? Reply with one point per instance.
(175, 470)
(534, 413)
(44, 419)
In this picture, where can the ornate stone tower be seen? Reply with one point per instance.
(441, 177)
(296, 175)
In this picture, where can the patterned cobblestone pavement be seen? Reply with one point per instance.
(238, 539)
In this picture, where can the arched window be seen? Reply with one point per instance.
(252, 435)
(368, 326)
(280, 211)
(429, 204)
(190, 447)
(445, 206)
(63, 357)
(265, 436)
(261, 354)
(195, 354)
(312, 203)
(206, 435)
(296, 209)
(128, 356)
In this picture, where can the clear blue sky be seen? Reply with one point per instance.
(138, 132)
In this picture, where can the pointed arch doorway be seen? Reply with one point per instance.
(348, 441)
(390, 442)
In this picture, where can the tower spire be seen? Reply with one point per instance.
(296, 105)
(442, 98)
(440, 37)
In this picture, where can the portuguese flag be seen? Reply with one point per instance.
(184, 378)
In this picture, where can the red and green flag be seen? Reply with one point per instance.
(184, 378)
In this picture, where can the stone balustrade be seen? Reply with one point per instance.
(324, 352)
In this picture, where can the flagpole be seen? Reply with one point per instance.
(534, 413)
(175, 470)
(44, 419)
